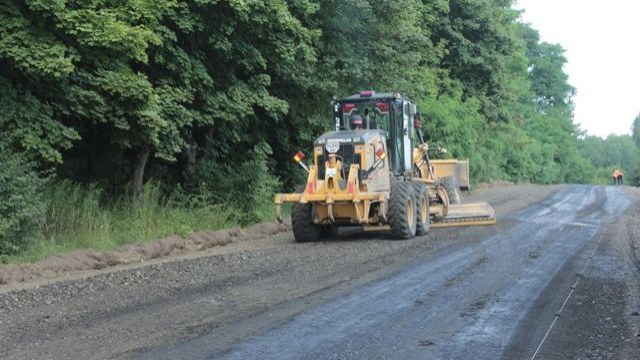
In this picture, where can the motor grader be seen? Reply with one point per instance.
(374, 177)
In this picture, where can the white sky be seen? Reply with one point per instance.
(602, 43)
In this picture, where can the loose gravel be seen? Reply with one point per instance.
(124, 309)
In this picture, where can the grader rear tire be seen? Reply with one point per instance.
(422, 207)
(304, 230)
(402, 210)
(450, 184)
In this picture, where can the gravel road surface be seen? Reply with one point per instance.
(556, 278)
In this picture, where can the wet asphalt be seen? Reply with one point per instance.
(466, 303)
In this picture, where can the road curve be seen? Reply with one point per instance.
(465, 303)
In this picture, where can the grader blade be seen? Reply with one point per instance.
(467, 215)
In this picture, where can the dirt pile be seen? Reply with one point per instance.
(84, 260)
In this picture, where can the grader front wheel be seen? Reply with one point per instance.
(402, 211)
(304, 230)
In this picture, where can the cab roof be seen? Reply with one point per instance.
(370, 94)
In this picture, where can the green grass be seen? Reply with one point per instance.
(79, 218)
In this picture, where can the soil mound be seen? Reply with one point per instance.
(84, 260)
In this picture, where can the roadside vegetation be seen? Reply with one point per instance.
(79, 217)
(131, 120)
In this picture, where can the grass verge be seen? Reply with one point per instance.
(79, 218)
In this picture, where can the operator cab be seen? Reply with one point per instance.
(387, 114)
(367, 106)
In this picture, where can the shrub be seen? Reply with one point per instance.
(77, 215)
(247, 186)
(22, 206)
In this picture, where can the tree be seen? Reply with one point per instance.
(172, 90)
(635, 131)
(481, 48)
(23, 205)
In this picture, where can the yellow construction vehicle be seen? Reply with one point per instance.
(367, 172)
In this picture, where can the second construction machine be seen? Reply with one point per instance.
(368, 172)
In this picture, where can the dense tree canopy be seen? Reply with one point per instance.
(212, 96)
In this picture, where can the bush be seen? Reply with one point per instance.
(248, 186)
(22, 206)
(77, 216)
(82, 217)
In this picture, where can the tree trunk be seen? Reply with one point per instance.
(93, 149)
(138, 172)
(189, 158)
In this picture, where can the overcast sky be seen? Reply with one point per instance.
(602, 43)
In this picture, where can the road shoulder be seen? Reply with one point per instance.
(601, 318)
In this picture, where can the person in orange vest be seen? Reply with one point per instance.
(620, 176)
(617, 177)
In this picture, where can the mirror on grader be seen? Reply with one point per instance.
(373, 170)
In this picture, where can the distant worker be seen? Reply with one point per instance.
(617, 177)
(356, 122)
(620, 176)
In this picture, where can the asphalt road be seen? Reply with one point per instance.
(462, 304)
(474, 293)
